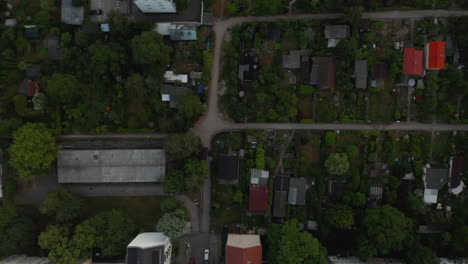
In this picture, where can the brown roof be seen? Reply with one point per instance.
(242, 249)
(456, 174)
(379, 71)
(325, 73)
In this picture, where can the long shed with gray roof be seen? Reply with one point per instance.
(297, 191)
(111, 166)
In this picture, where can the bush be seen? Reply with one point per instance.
(307, 121)
(169, 205)
(330, 138)
(260, 158)
(306, 90)
(352, 151)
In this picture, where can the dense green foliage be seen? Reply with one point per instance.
(190, 178)
(340, 217)
(180, 146)
(33, 150)
(16, 232)
(61, 204)
(172, 224)
(290, 246)
(385, 230)
(337, 164)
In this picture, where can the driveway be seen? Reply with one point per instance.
(197, 245)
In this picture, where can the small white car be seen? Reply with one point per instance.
(206, 256)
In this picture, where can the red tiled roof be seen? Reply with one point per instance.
(436, 55)
(235, 255)
(32, 88)
(258, 198)
(413, 61)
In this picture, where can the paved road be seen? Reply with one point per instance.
(211, 123)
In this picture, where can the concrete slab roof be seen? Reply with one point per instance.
(111, 166)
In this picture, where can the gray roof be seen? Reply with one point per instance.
(53, 48)
(436, 178)
(183, 34)
(294, 58)
(259, 176)
(175, 93)
(207, 19)
(71, 14)
(337, 31)
(280, 200)
(360, 70)
(108, 166)
(228, 169)
(297, 191)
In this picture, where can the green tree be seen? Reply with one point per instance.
(268, 7)
(337, 164)
(114, 231)
(149, 48)
(172, 224)
(33, 150)
(180, 146)
(195, 173)
(260, 158)
(290, 246)
(169, 205)
(174, 182)
(63, 88)
(385, 229)
(352, 151)
(355, 199)
(15, 232)
(190, 106)
(136, 90)
(62, 204)
(330, 138)
(340, 217)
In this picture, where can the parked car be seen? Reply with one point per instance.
(191, 261)
(206, 256)
(95, 12)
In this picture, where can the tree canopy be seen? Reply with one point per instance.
(15, 232)
(290, 246)
(149, 48)
(63, 88)
(337, 164)
(385, 229)
(340, 217)
(62, 204)
(181, 146)
(172, 224)
(33, 150)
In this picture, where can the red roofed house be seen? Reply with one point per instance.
(243, 249)
(258, 193)
(435, 55)
(413, 61)
(33, 88)
(258, 198)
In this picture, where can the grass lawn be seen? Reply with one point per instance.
(381, 106)
(344, 140)
(144, 211)
(305, 105)
(226, 215)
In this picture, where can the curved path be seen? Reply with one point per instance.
(211, 123)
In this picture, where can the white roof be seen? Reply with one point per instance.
(454, 191)
(165, 97)
(430, 196)
(243, 241)
(163, 28)
(147, 240)
(170, 76)
(333, 43)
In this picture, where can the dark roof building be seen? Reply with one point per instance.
(274, 33)
(360, 71)
(248, 68)
(149, 248)
(90, 29)
(52, 45)
(228, 169)
(297, 191)
(379, 74)
(294, 58)
(457, 169)
(323, 73)
(172, 94)
(434, 179)
(280, 201)
(243, 249)
(111, 166)
(337, 31)
(413, 61)
(336, 189)
(32, 32)
(258, 198)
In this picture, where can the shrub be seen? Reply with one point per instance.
(260, 158)
(330, 138)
